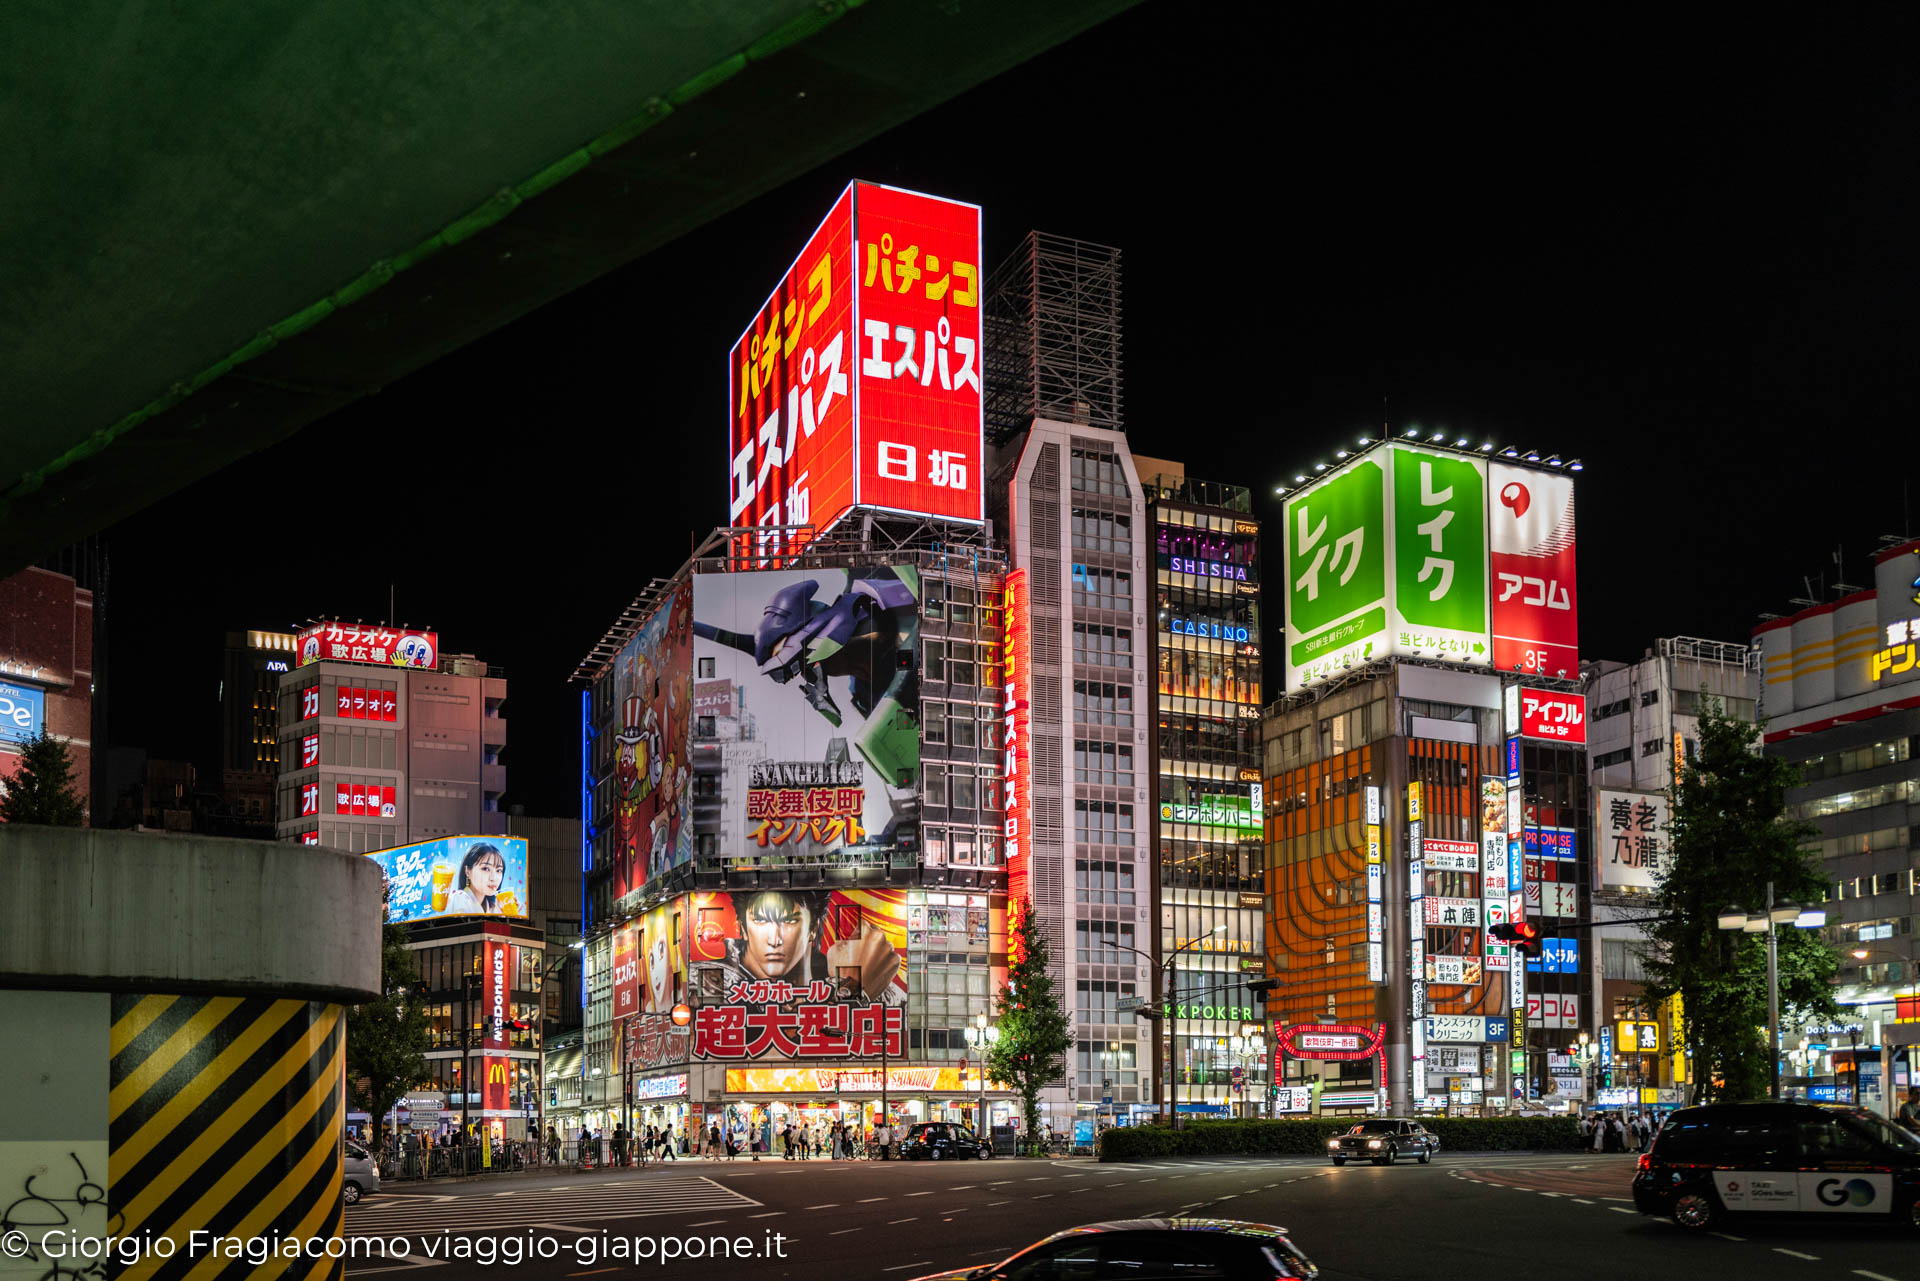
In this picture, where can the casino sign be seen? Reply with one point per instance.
(1333, 1041)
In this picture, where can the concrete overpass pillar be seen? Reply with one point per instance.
(172, 1012)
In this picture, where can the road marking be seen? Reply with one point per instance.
(930, 1194)
(1781, 1249)
(768, 1215)
(595, 1271)
(869, 1199)
(1040, 1196)
(1581, 1201)
(1622, 1210)
(828, 1206)
(963, 1187)
(991, 1204)
(1042, 1178)
(510, 1193)
(1728, 1236)
(707, 1223)
(1875, 1276)
(842, 1232)
(909, 1219)
(903, 1267)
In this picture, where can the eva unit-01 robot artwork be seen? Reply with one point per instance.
(866, 635)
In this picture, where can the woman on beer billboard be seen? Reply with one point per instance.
(477, 885)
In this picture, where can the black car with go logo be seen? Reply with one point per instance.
(1779, 1158)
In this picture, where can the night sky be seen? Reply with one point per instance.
(1685, 255)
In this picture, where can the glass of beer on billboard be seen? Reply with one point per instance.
(509, 904)
(442, 883)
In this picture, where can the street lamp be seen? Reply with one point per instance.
(983, 1034)
(1766, 921)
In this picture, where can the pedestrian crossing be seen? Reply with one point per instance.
(430, 1214)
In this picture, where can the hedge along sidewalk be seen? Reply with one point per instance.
(1309, 1137)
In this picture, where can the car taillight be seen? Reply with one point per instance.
(1646, 1161)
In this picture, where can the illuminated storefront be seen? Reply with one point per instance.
(1208, 836)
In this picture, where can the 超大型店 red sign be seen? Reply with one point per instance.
(1554, 717)
(1333, 1041)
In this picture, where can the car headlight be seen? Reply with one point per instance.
(1333, 1143)
(1373, 1143)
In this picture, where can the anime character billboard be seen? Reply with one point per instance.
(827, 668)
(800, 973)
(653, 698)
(653, 1039)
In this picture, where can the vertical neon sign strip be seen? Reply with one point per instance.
(1017, 737)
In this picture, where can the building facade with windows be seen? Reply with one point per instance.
(1642, 726)
(1841, 696)
(1208, 818)
(1076, 517)
(46, 671)
(252, 664)
(373, 755)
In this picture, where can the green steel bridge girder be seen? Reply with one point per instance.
(226, 220)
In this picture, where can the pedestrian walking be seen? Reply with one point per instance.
(713, 1139)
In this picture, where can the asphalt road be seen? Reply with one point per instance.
(831, 1221)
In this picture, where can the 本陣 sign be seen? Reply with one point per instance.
(1451, 856)
(1632, 829)
(335, 642)
(1536, 620)
(897, 335)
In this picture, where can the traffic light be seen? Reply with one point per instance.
(1260, 988)
(1524, 936)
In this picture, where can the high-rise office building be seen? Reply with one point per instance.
(1070, 500)
(250, 672)
(1208, 843)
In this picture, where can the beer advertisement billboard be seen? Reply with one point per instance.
(1536, 608)
(653, 699)
(828, 663)
(791, 974)
(456, 876)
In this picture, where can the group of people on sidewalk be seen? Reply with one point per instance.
(1613, 1132)
(840, 1141)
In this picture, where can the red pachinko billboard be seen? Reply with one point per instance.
(1555, 717)
(336, 642)
(626, 972)
(859, 380)
(1536, 616)
(1016, 734)
(918, 401)
(790, 451)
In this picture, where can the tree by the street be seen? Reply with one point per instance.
(387, 1036)
(1731, 836)
(41, 789)
(1034, 1031)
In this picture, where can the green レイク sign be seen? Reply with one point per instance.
(1336, 562)
(1439, 603)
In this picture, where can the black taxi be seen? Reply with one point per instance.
(1779, 1158)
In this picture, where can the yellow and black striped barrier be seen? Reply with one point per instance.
(224, 1117)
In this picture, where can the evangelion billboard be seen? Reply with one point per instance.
(802, 973)
(829, 663)
(653, 696)
(859, 379)
(456, 876)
